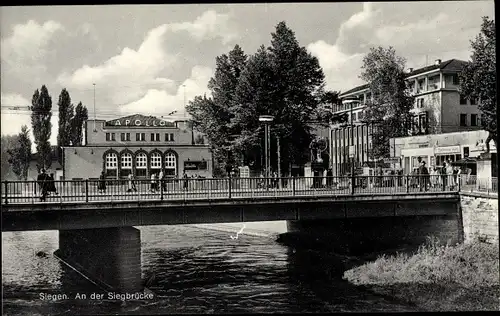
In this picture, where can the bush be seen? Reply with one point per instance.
(470, 265)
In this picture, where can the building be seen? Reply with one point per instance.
(439, 108)
(137, 144)
(438, 148)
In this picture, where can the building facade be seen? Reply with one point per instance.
(438, 148)
(439, 108)
(137, 144)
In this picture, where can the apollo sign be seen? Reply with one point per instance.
(137, 122)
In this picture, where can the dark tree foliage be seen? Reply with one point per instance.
(9, 142)
(20, 154)
(478, 79)
(65, 117)
(389, 111)
(42, 126)
(76, 123)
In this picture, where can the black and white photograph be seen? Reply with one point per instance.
(251, 158)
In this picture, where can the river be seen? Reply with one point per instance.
(192, 269)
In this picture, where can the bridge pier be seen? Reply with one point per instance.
(110, 257)
(365, 235)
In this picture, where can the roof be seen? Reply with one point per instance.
(452, 65)
(139, 117)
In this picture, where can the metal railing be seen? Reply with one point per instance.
(15, 192)
(477, 184)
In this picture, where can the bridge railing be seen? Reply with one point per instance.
(471, 183)
(212, 188)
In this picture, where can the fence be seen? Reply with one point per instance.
(475, 184)
(213, 188)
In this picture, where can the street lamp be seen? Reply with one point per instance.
(351, 101)
(266, 119)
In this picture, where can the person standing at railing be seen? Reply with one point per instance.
(153, 182)
(42, 180)
(101, 187)
(184, 180)
(160, 179)
(51, 185)
(131, 183)
(449, 173)
(423, 175)
(456, 175)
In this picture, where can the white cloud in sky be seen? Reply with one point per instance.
(431, 35)
(12, 121)
(209, 25)
(141, 69)
(160, 102)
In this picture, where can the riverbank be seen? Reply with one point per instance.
(464, 277)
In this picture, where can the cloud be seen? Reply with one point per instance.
(160, 102)
(416, 37)
(209, 25)
(141, 70)
(28, 42)
(12, 120)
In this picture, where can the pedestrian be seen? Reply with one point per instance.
(423, 175)
(131, 183)
(101, 187)
(153, 182)
(444, 177)
(160, 179)
(449, 173)
(51, 184)
(42, 180)
(185, 180)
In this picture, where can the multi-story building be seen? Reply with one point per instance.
(137, 144)
(439, 108)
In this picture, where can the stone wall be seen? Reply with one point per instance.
(480, 217)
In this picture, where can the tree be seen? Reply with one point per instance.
(42, 127)
(65, 117)
(76, 123)
(8, 143)
(389, 111)
(213, 115)
(478, 78)
(20, 155)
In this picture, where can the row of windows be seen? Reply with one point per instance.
(475, 120)
(126, 160)
(155, 137)
(463, 100)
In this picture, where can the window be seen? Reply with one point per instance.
(152, 137)
(355, 118)
(456, 79)
(157, 137)
(141, 164)
(420, 103)
(473, 101)
(113, 136)
(421, 85)
(126, 164)
(155, 161)
(122, 137)
(137, 135)
(360, 115)
(463, 100)
(170, 164)
(463, 119)
(127, 137)
(171, 137)
(143, 137)
(166, 137)
(473, 120)
(108, 136)
(111, 164)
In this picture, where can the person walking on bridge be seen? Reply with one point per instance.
(101, 187)
(423, 175)
(42, 180)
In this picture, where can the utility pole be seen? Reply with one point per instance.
(279, 160)
(95, 130)
(185, 114)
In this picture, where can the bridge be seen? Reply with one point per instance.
(95, 219)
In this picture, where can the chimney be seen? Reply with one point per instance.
(437, 62)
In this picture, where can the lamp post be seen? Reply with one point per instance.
(351, 101)
(266, 119)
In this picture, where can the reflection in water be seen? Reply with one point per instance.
(191, 270)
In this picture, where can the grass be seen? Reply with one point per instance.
(437, 277)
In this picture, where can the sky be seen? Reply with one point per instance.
(154, 59)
